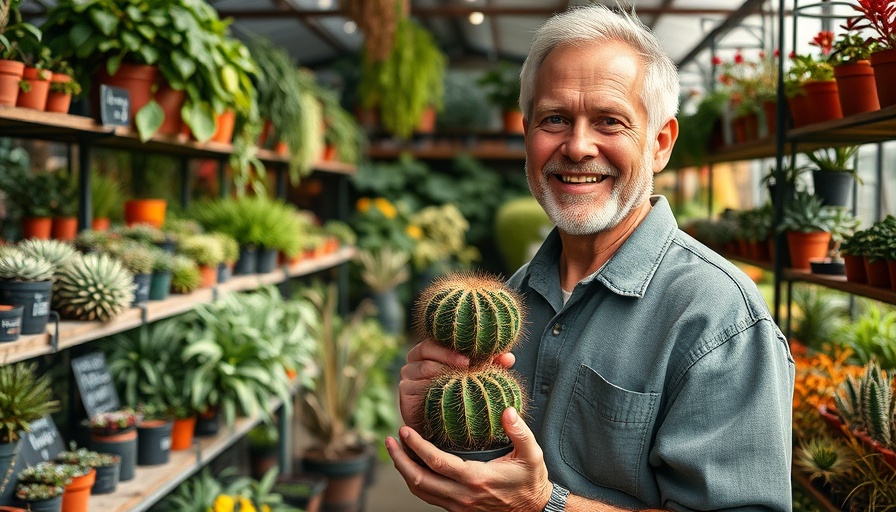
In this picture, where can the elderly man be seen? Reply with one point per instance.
(657, 377)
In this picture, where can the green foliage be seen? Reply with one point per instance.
(105, 196)
(256, 221)
(850, 47)
(55, 252)
(821, 316)
(342, 129)
(463, 410)
(519, 223)
(383, 268)
(24, 398)
(866, 403)
(408, 81)
(837, 159)
(876, 242)
(695, 130)
(475, 315)
(872, 335)
(502, 85)
(136, 257)
(197, 494)
(17, 36)
(466, 108)
(823, 457)
(806, 214)
(442, 237)
(185, 275)
(93, 287)
(205, 249)
(380, 224)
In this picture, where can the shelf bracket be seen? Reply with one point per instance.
(144, 313)
(54, 339)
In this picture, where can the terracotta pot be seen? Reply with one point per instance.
(77, 494)
(855, 269)
(512, 121)
(878, 273)
(891, 269)
(59, 101)
(145, 211)
(329, 153)
(281, 148)
(427, 123)
(171, 102)
(10, 73)
(101, 223)
(751, 126)
(806, 246)
(137, 79)
(182, 433)
(265, 131)
(36, 97)
(824, 102)
(799, 110)
(739, 129)
(224, 127)
(345, 478)
(770, 109)
(856, 88)
(37, 227)
(209, 275)
(884, 65)
(64, 228)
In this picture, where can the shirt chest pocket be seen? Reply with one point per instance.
(605, 432)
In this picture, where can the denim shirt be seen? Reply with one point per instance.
(663, 381)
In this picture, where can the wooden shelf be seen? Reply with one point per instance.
(32, 124)
(151, 483)
(72, 333)
(840, 283)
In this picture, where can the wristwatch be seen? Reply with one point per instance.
(557, 502)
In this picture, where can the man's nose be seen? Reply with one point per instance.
(581, 145)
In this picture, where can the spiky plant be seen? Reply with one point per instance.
(25, 268)
(204, 249)
(136, 257)
(473, 314)
(877, 404)
(462, 409)
(24, 398)
(55, 252)
(93, 287)
(185, 276)
(823, 457)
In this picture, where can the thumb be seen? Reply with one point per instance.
(520, 435)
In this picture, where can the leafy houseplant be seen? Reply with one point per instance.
(502, 85)
(462, 408)
(342, 130)
(834, 174)
(810, 227)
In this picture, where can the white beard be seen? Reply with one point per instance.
(579, 215)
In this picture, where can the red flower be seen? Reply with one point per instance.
(716, 61)
(777, 52)
(761, 54)
(879, 16)
(792, 55)
(824, 40)
(738, 58)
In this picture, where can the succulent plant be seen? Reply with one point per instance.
(24, 398)
(89, 458)
(25, 268)
(473, 314)
(229, 245)
(90, 240)
(203, 249)
(49, 473)
(93, 287)
(463, 409)
(55, 252)
(113, 422)
(38, 492)
(185, 276)
(136, 257)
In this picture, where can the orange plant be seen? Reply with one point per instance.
(817, 377)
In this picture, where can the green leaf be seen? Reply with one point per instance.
(106, 22)
(149, 53)
(149, 119)
(147, 32)
(185, 65)
(131, 40)
(230, 79)
(200, 118)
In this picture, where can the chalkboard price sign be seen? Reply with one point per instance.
(115, 106)
(42, 443)
(95, 384)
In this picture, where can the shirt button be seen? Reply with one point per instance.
(557, 329)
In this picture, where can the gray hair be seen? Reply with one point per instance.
(598, 23)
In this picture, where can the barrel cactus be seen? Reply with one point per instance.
(473, 314)
(93, 287)
(462, 410)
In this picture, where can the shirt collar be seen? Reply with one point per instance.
(628, 272)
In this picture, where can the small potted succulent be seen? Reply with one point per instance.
(115, 432)
(185, 275)
(833, 174)
(137, 258)
(154, 434)
(208, 253)
(93, 287)
(27, 281)
(107, 466)
(41, 486)
(162, 269)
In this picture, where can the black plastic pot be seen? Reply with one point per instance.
(301, 491)
(832, 187)
(50, 505)
(247, 261)
(124, 445)
(483, 455)
(207, 425)
(10, 322)
(168, 246)
(160, 285)
(106, 479)
(223, 272)
(34, 297)
(266, 260)
(142, 283)
(154, 442)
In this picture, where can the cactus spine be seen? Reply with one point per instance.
(471, 314)
(477, 316)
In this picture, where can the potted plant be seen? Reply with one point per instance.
(115, 432)
(502, 85)
(41, 486)
(107, 466)
(788, 178)
(382, 270)
(24, 398)
(154, 433)
(206, 250)
(27, 281)
(162, 270)
(345, 140)
(853, 250)
(877, 16)
(185, 275)
(264, 441)
(12, 69)
(63, 87)
(31, 196)
(449, 313)
(407, 82)
(136, 258)
(877, 240)
(819, 84)
(231, 253)
(64, 206)
(852, 71)
(93, 287)
(105, 200)
(57, 254)
(807, 224)
(834, 174)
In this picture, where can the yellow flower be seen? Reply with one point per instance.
(414, 231)
(363, 205)
(224, 503)
(265, 508)
(386, 207)
(246, 505)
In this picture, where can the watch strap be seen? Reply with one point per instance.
(557, 502)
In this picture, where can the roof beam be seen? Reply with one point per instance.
(746, 9)
(460, 11)
(315, 27)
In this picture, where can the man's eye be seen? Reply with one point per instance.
(554, 119)
(611, 121)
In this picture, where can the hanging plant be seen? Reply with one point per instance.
(377, 20)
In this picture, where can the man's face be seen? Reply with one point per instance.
(588, 154)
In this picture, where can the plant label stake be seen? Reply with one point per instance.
(115, 104)
(95, 384)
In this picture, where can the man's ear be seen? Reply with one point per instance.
(662, 146)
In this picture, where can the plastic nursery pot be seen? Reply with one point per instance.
(50, 505)
(153, 442)
(182, 433)
(142, 284)
(39, 87)
(101, 223)
(301, 491)
(34, 297)
(37, 227)
(207, 423)
(123, 444)
(106, 479)
(145, 211)
(209, 276)
(483, 455)
(64, 228)
(247, 261)
(10, 322)
(77, 494)
(345, 478)
(10, 74)
(224, 127)
(265, 260)
(160, 285)
(59, 101)
(224, 272)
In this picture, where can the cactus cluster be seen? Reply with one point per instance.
(867, 403)
(93, 287)
(57, 253)
(475, 315)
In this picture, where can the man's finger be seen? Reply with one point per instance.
(436, 460)
(430, 350)
(524, 444)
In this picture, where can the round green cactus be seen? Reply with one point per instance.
(462, 410)
(472, 314)
(93, 287)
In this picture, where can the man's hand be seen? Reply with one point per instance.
(425, 361)
(516, 482)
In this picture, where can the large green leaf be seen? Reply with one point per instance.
(106, 22)
(149, 119)
(185, 65)
(200, 118)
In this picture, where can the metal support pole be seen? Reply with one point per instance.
(342, 214)
(780, 139)
(85, 201)
(879, 173)
(281, 176)
(284, 427)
